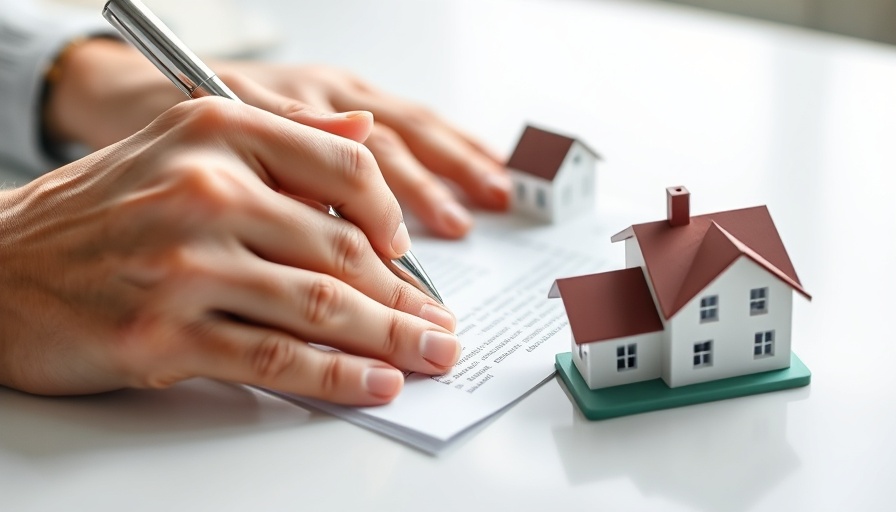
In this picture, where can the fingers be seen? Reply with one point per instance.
(268, 313)
(444, 150)
(258, 356)
(426, 196)
(321, 309)
(408, 142)
(299, 160)
(354, 125)
(282, 231)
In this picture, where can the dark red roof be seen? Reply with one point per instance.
(608, 305)
(681, 261)
(540, 153)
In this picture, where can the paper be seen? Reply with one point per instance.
(497, 282)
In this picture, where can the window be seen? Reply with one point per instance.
(541, 198)
(709, 309)
(626, 357)
(703, 354)
(763, 344)
(758, 301)
(577, 158)
(583, 351)
(521, 192)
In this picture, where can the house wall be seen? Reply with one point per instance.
(575, 185)
(597, 364)
(527, 204)
(732, 335)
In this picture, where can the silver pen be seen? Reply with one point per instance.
(145, 31)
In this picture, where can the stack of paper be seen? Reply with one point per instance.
(497, 282)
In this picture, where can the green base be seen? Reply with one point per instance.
(652, 395)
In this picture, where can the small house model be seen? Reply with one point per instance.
(701, 299)
(553, 175)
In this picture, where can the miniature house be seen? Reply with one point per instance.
(553, 175)
(701, 298)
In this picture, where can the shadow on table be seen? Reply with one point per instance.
(35, 426)
(723, 459)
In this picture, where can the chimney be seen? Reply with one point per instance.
(678, 206)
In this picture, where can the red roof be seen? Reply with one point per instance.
(681, 261)
(608, 305)
(541, 153)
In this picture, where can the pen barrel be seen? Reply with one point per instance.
(409, 270)
(161, 46)
(214, 87)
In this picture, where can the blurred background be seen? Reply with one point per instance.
(219, 28)
(867, 19)
(250, 32)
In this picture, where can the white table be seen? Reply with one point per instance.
(741, 112)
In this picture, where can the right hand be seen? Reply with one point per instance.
(180, 252)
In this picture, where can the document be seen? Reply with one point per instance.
(496, 281)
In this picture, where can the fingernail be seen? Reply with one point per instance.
(383, 382)
(439, 348)
(455, 217)
(358, 113)
(401, 241)
(439, 316)
(346, 115)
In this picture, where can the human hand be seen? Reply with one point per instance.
(180, 253)
(110, 91)
(413, 146)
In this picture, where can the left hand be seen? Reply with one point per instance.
(412, 145)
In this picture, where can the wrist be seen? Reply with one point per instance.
(100, 91)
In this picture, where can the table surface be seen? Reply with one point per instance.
(739, 111)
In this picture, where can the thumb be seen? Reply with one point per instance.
(355, 125)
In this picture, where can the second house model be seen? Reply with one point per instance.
(553, 176)
(702, 298)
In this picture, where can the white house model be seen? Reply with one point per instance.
(701, 298)
(553, 175)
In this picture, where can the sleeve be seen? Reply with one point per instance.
(30, 40)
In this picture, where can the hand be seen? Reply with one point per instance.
(413, 146)
(110, 91)
(179, 252)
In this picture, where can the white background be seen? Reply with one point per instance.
(740, 112)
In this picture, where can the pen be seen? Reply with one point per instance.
(156, 41)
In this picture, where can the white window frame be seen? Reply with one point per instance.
(709, 309)
(703, 354)
(627, 357)
(764, 344)
(759, 301)
(541, 198)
